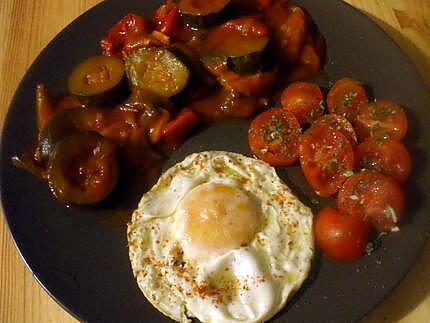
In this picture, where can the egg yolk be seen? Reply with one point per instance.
(215, 218)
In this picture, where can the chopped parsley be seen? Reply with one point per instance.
(348, 173)
(349, 98)
(275, 131)
(375, 244)
(389, 213)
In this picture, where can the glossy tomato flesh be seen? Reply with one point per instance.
(304, 100)
(388, 156)
(376, 198)
(274, 136)
(326, 158)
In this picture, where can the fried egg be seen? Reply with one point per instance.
(220, 238)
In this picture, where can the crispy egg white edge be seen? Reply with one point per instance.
(199, 159)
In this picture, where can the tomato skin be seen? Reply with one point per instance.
(341, 124)
(304, 100)
(341, 237)
(273, 137)
(345, 97)
(168, 20)
(325, 157)
(376, 198)
(129, 26)
(390, 157)
(382, 119)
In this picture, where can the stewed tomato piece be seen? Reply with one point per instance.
(381, 119)
(339, 236)
(387, 156)
(326, 157)
(274, 137)
(304, 100)
(341, 124)
(376, 198)
(345, 96)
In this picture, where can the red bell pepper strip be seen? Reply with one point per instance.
(174, 132)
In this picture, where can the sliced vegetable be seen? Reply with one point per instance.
(341, 124)
(244, 43)
(388, 156)
(249, 84)
(175, 131)
(99, 80)
(83, 168)
(203, 13)
(168, 20)
(274, 137)
(157, 70)
(125, 29)
(65, 123)
(45, 105)
(376, 198)
(157, 125)
(345, 97)
(326, 158)
(290, 27)
(341, 237)
(304, 100)
(381, 119)
(308, 64)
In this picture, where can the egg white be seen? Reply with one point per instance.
(247, 284)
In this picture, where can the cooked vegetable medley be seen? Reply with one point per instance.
(158, 78)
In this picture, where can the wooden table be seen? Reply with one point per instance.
(27, 26)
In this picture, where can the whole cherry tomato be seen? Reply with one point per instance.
(339, 236)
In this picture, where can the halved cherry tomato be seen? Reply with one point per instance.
(128, 27)
(326, 157)
(174, 132)
(341, 237)
(274, 136)
(388, 156)
(341, 124)
(304, 100)
(376, 198)
(168, 20)
(345, 96)
(381, 119)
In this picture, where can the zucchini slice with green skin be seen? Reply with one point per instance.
(251, 63)
(245, 44)
(99, 80)
(204, 13)
(83, 168)
(158, 71)
(63, 124)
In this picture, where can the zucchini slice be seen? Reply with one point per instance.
(158, 71)
(99, 80)
(204, 13)
(245, 44)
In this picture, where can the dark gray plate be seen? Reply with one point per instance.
(83, 262)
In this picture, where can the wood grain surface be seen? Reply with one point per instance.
(27, 26)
